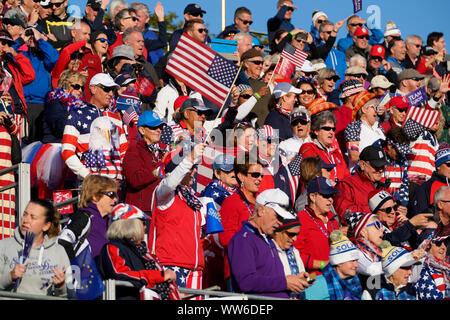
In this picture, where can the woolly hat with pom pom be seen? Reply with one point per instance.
(394, 258)
(341, 249)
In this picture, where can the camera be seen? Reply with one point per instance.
(29, 33)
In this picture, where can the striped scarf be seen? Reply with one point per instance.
(439, 266)
(341, 289)
(69, 100)
(187, 194)
(369, 249)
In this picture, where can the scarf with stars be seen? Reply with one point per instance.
(69, 100)
(157, 151)
(187, 194)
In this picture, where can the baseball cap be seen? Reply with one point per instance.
(123, 79)
(194, 103)
(378, 51)
(400, 102)
(350, 87)
(283, 89)
(194, 9)
(320, 185)
(267, 133)
(410, 74)
(374, 155)
(94, 4)
(380, 81)
(103, 79)
(361, 31)
(150, 119)
(224, 162)
(307, 67)
(299, 114)
(124, 211)
(179, 102)
(427, 51)
(277, 200)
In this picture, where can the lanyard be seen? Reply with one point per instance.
(324, 231)
(238, 190)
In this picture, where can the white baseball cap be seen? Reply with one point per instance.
(277, 200)
(284, 88)
(103, 79)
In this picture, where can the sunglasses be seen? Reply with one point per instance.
(439, 243)
(197, 15)
(290, 9)
(364, 37)
(328, 129)
(257, 62)
(130, 17)
(326, 196)
(332, 79)
(245, 96)
(102, 40)
(56, 4)
(106, 89)
(418, 45)
(356, 24)
(379, 59)
(76, 86)
(402, 110)
(5, 43)
(308, 92)
(249, 22)
(299, 121)
(328, 32)
(255, 175)
(322, 21)
(359, 75)
(448, 166)
(161, 127)
(377, 224)
(291, 234)
(202, 30)
(111, 194)
(199, 112)
(389, 209)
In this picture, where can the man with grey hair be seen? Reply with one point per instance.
(442, 211)
(255, 265)
(244, 43)
(413, 47)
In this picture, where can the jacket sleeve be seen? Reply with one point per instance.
(64, 58)
(159, 43)
(345, 199)
(138, 174)
(401, 234)
(25, 69)
(55, 115)
(116, 267)
(231, 222)
(274, 23)
(51, 55)
(71, 234)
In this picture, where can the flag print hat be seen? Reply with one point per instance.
(124, 211)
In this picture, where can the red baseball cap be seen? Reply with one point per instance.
(378, 51)
(179, 101)
(400, 102)
(361, 31)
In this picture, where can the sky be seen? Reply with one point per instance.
(412, 16)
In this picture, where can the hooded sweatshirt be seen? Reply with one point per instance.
(37, 278)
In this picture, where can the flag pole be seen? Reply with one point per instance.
(223, 104)
(273, 73)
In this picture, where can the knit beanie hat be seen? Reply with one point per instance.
(394, 258)
(377, 198)
(356, 221)
(442, 155)
(341, 249)
(289, 223)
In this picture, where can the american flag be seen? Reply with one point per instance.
(413, 129)
(424, 116)
(294, 55)
(202, 69)
(294, 175)
(129, 115)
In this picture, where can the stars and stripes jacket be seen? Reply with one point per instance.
(75, 142)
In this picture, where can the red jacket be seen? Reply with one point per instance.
(233, 213)
(313, 241)
(138, 165)
(344, 115)
(174, 236)
(63, 60)
(23, 74)
(93, 64)
(353, 194)
(333, 156)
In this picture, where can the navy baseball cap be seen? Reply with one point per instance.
(224, 162)
(194, 9)
(321, 185)
(194, 103)
(149, 119)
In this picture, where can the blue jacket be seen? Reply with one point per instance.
(279, 23)
(255, 265)
(336, 60)
(376, 37)
(280, 122)
(36, 91)
(155, 55)
(55, 116)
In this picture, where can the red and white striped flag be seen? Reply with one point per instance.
(294, 55)
(424, 116)
(202, 69)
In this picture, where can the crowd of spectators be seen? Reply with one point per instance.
(320, 185)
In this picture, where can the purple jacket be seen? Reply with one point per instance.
(99, 225)
(255, 265)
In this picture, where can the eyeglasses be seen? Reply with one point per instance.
(389, 209)
(377, 224)
(327, 32)
(356, 24)
(56, 4)
(245, 96)
(299, 121)
(131, 17)
(111, 194)
(257, 62)
(201, 30)
(364, 37)
(308, 92)
(76, 86)
(255, 175)
(418, 45)
(102, 40)
(416, 79)
(106, 89)
(249, 22)
(328, 129)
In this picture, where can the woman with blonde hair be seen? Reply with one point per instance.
(88, 226)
